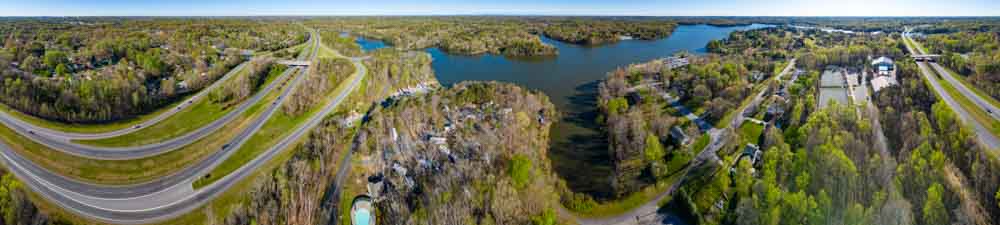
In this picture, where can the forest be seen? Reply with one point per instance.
(973, 55)
(99, 70)
(323, 78)
(600, 31)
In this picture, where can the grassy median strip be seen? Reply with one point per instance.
(974, 110)
(961, 79)
(120, 172)
(190, 119)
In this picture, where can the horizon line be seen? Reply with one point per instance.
(500, 15)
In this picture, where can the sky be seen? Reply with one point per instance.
(501, 7)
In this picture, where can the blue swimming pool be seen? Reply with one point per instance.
(362, 217)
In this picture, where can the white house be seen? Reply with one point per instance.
(884, 66)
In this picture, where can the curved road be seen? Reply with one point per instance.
(64, 144)
(90, 136)
(170, 196)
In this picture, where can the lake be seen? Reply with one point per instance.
(579, 150)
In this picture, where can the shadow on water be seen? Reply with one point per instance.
(580, 146)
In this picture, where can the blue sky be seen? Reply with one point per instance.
(517, 7)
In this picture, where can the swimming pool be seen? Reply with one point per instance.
(362, 217)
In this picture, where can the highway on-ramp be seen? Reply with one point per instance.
(64, 135)
(170, 196)
(62, 141)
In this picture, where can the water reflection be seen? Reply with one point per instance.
(579, 149)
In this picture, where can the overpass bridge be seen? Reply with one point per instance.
(300, 63)
(925, 57)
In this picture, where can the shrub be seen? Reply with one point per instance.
(520, 171)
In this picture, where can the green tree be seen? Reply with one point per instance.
(617, 106)
(934, 210)
(548, 217)
(61, 70)
(654, 150)
(744, 178)
(520, 171)
(54, 58)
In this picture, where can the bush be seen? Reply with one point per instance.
(548, 217)
(520, 171)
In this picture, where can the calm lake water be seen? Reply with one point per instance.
(579, 150)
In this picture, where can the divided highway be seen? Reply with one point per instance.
(173, 195)
(966, 91)
(62, 141)
(984, 134)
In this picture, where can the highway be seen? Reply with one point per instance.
(984, 135)
(62, 141)
(158, 118)
(172, 195)
(966, 91)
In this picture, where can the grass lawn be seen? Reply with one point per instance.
(750, 132)
(633, 200)
(192, 118)
(120, 172)
(353, 185)
(699, 145)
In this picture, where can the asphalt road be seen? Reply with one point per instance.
(134, 152)
(966, 91)
(62, 141)
(63, 135)
(990, 109)
(986, 137)
(172, 195)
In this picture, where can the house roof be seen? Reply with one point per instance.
(880, 82)
(882, 59)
